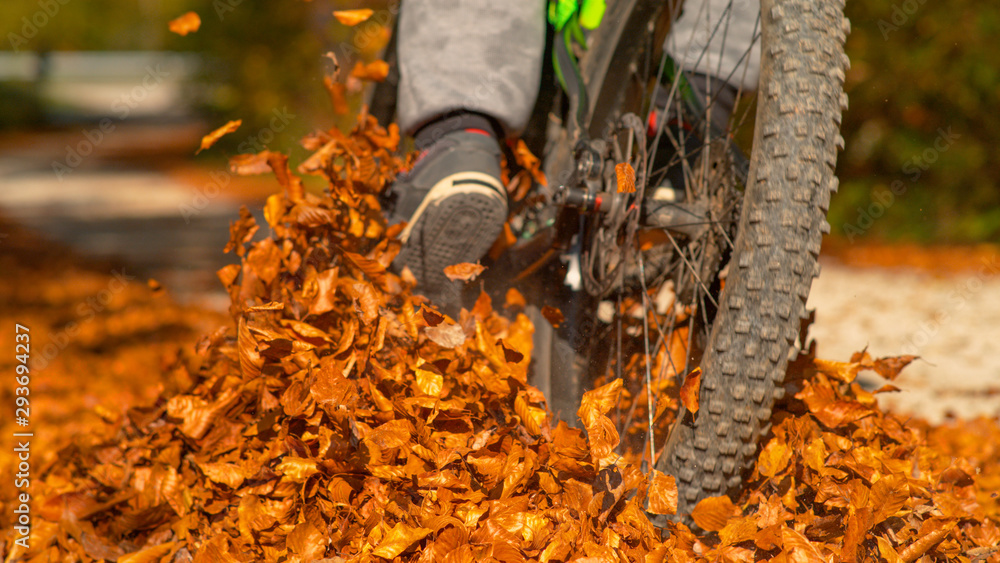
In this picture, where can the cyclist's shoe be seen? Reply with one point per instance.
(454, 205)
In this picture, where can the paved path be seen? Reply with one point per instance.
(949, 321)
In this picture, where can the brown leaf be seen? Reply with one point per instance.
(446, 335)
(799, 549)
(353, 17)
(392, 434)
(841, 371)
(399, 538)
(888, 495)
(662, 494)
(210, 139)
(514, 299)
(890, 368)
(464, 271)
(149, 554)
(774, 458)
(250, 164)
(510, 354)
(307, 542)
(553, 315)
(376, 71)
(188, 23)
(691, 389)
(338, 95)
(712, 513)
(625, 175)
(931, 533)
(431, 317)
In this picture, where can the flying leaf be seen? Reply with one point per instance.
(464, 271)
(446, 335)
(188, 23)
(514, 299)
(353, 17)
(553, 315)
(625, 175)
(210, 139)
(691, 389)
(376, 71)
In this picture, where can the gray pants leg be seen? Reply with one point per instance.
(486, 55)
(720, 38)
(478, 55)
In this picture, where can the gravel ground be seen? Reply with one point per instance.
(950, 321)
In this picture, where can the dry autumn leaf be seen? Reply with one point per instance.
(553, 315)
(625, 175)
(712, 513)
(210, 139)
(690, 390)
(187, 23)
(446, 335)
(328, 426)
(353, 17)
(376, 71)
(662, 494)
(464, 272)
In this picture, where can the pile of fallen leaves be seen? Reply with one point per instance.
(341, 418)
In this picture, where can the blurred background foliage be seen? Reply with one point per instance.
(921, 72)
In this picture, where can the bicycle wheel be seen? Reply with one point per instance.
(742, 336)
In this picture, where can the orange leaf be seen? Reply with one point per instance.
(398, 539)
(514, 299)
(773, 458)
(429, 382)
(553, 315)
(448, 335)
(211, 138)
(250, 164)
(297, 469)
(394, 433)
(739, 530)
(338, 95)
(799, 549)
(888, 495)
(931, 533)
(464, 271)
(188, 23)
(841, 371)
(889, 368)
(510, 354)
(690, 390)
(530, 162)
(712, 513)
(353, 17)
(626, 178)
(662, 494)
(375, 71)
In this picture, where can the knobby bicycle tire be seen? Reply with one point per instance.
(775, 255)
(800, 101)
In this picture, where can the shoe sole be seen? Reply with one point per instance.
(458, 221)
